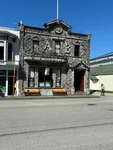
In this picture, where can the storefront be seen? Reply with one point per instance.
(44, 77)
(9, 61)
(8, 79)
(2, 82)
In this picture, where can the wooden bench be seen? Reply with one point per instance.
(59, 91)
(31, 91)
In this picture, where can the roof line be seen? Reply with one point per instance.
(102, 56)
(57, 21)
(9, 28)
(28, 26)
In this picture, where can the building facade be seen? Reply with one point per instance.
(9, 61)
(102, 72)
(53, 57)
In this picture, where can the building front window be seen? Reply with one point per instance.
(77, 50)
(31, 82)
(45, 77)
(1, 50)
(58, 77)
(2, 82)
(10, 52)
(57, 46)
(35, 45)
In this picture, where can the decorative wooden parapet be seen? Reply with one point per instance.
(59, 91)
(31, 91)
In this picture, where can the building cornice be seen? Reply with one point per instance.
(59, 36)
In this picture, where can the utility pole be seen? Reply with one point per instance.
(14, 80)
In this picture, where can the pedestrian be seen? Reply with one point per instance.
(102, 90)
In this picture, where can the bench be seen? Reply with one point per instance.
(59, 91)
(31, 91)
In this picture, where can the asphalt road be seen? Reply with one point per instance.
(73, 124)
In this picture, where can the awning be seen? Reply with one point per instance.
(43, 59)
(94, 78)
(8, 67)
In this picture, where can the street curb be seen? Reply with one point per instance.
(47, 97)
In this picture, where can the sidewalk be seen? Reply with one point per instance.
(48, 97)
(98, 94)
(44, 102)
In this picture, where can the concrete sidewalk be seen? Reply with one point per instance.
(98, 94)
(48, 97)
(27, 103)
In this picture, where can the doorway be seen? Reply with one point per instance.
(79, 80)
(10, 85)
(10, 81)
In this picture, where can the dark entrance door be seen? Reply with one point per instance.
(79, 80)
(10, 85)
(10, 81)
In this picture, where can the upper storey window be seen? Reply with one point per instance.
(77, 50)
(1, 50)
(57, 46)
(10, 51)
(35, 45)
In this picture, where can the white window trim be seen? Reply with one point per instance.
(3, 44)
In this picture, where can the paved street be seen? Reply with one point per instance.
(70, 124)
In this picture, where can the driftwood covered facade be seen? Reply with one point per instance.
(53, 57)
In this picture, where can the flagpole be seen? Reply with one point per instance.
(57, 9)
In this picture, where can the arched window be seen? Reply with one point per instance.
(35, 45)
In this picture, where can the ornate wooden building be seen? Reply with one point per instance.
(53, 57)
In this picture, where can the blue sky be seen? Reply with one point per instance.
(85, 16)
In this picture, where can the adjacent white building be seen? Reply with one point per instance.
(9, 60)
(102, 72)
